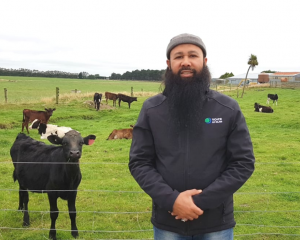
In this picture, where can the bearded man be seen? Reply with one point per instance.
(191, 149)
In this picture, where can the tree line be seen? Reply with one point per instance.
(36, 73)
(148, 75)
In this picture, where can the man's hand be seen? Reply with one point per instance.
(184, 206)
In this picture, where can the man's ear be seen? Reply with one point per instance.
(205, 61)
(168, 63)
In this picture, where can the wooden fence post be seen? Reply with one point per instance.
(131, 91)
(57, 94)
(5, 94)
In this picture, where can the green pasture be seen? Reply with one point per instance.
(110, 204)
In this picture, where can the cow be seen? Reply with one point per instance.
(273, 97)
(111, 96)
(97, 100)
(121, 133)
(30, 115)
(50, 169)
(260, 108)
(126, 98)
(49, 129)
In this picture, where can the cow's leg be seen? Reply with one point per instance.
(129, 105)
(53, 214)
(23, 204)
(72, 214)
(119, 102)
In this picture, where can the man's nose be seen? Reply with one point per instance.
(185, 62)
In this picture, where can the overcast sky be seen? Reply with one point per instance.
(102, 37)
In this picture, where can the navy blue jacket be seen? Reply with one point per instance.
(217, 158)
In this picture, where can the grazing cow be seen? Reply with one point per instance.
(121, 133)
(46, 130)
(111, 96)
(273, 97)
(126, 98)
(30, 115)
(54, 170)
(97, 100)
(260, 108)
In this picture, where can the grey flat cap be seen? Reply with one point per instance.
(188, 39)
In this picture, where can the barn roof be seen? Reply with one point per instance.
(242, 76)
(286, 73)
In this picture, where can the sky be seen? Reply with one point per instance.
(115, 36)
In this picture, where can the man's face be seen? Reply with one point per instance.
(185, 58)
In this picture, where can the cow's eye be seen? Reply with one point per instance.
(81, 143)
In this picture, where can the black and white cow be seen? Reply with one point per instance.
(46, 130)
(261, 108)
(273, 97)
(50, 169)
(97, 100)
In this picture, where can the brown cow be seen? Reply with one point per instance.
(111, 96)
(126, 98)
(121, 133)
(31, 115)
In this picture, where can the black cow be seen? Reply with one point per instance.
(54, 170)
(273, 97)
(126, 98)
(97, 100)
(260, 108)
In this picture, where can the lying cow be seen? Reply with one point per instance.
(260, 108)
(30, 115)
(121, 133)
(46, 130)
(126, 98)
(54, 170)
(97, 100)
(273, 97)
(111, 96)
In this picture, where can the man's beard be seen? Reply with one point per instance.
(186, 96)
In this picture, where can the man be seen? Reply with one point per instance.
(191, 149)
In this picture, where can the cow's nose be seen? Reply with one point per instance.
(74, 153)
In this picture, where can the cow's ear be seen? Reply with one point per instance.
(53, 109)
(46, 109)
(54, 139)
(89, 140)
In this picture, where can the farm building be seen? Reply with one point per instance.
(236, 80)
(263, 77)
(279, 77)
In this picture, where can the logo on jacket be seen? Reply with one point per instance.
(213, 120)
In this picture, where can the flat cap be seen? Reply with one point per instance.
(185, 38)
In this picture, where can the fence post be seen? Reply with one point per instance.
(5, 95)
(131, 91)
(57, 94)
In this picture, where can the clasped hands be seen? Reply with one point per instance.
(184, 207)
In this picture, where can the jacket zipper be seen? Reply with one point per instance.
(186, 170)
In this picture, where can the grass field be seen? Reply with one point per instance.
(110, 204)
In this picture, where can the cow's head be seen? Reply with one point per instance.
(72, 144)
(50, 111)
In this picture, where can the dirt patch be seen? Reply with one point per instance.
(91, 104)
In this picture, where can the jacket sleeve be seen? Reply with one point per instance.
(142, 165)
(240, 166)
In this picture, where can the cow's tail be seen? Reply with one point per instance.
(14, 175)
(23, 117)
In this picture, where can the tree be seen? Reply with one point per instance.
(252, 62)
(226, 75)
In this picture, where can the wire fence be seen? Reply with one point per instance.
(147, 228)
